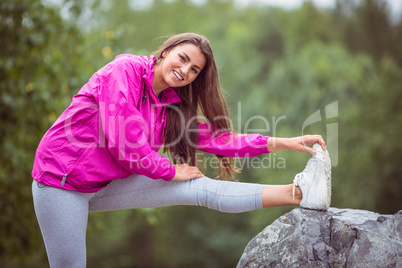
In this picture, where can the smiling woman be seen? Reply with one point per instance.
(189, 56)
(102, 153)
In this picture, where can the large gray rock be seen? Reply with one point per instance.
(336, 238)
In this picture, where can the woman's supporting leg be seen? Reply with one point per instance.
(62, 217)
(139, 191)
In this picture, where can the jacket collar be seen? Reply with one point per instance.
(169, 95)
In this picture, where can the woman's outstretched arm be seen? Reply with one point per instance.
(296, 144)
(242, 145)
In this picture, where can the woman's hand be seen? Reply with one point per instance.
(297, 144)
(185, 172)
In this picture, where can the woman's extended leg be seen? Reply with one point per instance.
(280, 195)
(233, 197)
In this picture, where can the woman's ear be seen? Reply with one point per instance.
(163, 54)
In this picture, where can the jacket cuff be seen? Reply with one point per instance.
(170, 175)
(264, 145)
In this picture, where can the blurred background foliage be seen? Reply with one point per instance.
(277, 66)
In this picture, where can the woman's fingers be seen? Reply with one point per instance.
(309, 150)
(186, 172)
(309, 140)
(304, 143)
(194, 172)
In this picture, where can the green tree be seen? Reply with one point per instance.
(272, 63)
(366, 26)
(40, 68)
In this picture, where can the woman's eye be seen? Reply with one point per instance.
(194, 70)
(182, 58)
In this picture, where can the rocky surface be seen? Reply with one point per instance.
(335, 238)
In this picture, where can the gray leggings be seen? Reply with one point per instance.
(63, 214)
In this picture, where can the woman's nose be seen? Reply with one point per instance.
(184, 69)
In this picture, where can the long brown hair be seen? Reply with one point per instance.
(205, 95)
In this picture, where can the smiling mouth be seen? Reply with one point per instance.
(178, 76)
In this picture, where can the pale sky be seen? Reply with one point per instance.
(395, 5)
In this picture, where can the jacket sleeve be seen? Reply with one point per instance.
(230, 144)
(116, 88)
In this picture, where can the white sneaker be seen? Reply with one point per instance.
(315, 181)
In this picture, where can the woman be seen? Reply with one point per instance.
(101, 153)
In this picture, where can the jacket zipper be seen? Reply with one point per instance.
(63, 181)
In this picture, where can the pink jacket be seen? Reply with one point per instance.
(115, 126)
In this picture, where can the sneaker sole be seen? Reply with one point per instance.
(323, 186)
(319, 186)
(323, 156)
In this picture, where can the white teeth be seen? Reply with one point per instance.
(178, 75)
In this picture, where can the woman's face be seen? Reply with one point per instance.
(181, 65)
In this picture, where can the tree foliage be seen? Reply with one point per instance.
(278, 67)
(38, 77)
